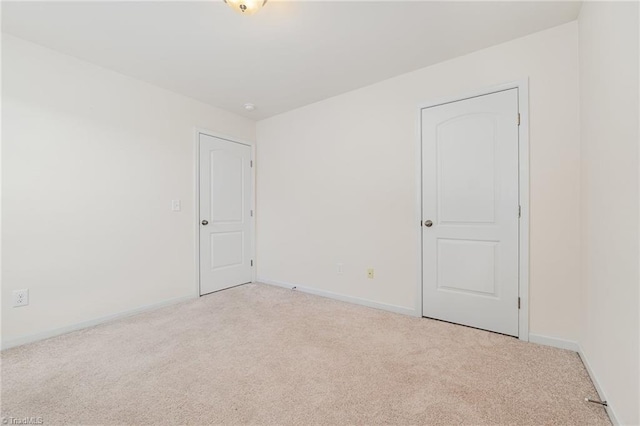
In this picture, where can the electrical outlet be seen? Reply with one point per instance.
(339, 268)
(20, 297)
(370, 273)
(175, 205)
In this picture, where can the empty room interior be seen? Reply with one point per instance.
(320, 212)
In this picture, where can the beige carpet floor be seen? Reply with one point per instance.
(264, 355)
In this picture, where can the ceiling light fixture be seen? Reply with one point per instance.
(246, 7)
(249, 107)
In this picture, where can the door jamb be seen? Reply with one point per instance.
(196, 197)
(523, 167)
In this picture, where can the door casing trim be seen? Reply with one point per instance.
(523, 171)
(196, 198)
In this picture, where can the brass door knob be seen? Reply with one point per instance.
(205, 222)
(428, 223)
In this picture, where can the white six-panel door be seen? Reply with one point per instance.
(225, 214)
(470, 212)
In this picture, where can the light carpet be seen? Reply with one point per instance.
(257, 354)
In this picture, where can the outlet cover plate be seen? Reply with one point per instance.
(20, 297)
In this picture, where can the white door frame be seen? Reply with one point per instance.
(523, 149)
(196, 197)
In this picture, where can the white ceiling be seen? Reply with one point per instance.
(288, 55)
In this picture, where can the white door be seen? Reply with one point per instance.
(225, 214)
(470, 212)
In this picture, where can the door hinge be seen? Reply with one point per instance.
(251, 161)
(518, 119)
(519, 211)
(251, 213)
(251, 262)
(518, 303)
(421, 224)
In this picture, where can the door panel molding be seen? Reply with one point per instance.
(523, 188)
(196, 196)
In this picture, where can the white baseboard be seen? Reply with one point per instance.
(23, 340)
(596, 383)
(554, 341)
(341, 297)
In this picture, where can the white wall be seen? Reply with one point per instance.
(91, 162)
(609, 133)
(337, 180)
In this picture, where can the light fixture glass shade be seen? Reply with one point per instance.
(246, 7)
